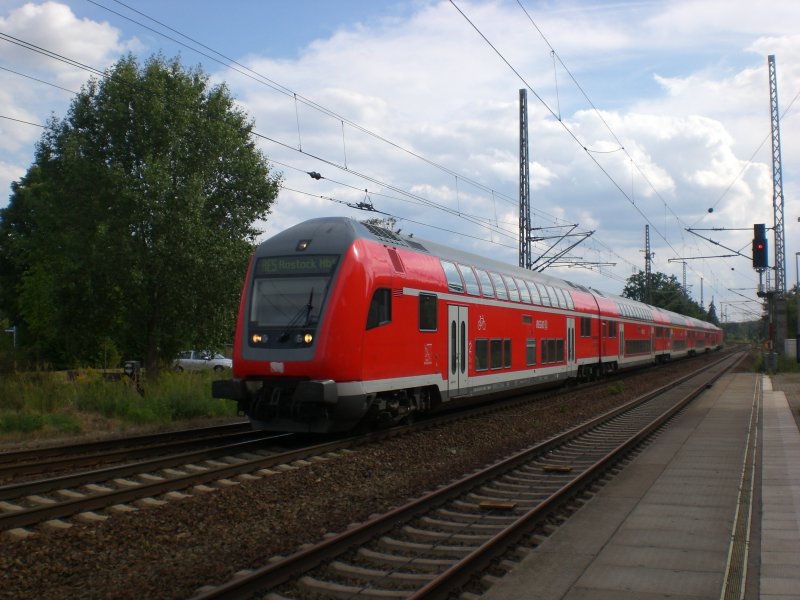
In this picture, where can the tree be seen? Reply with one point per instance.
(712, 314)
(135, 223)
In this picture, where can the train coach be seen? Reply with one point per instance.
(342, 322)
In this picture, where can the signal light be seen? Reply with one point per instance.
(759, 247)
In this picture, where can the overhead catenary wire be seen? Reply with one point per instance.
(494, 192)
(247, 71)
(228, 62)
(572, 134)
(416, 198)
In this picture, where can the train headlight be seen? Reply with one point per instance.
(257, 338)
(308, 338)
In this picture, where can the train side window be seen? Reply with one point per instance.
(567, 298)
(535, 298)
(543, 294)
(454, 283)
(470, 281)
(507, 354)
(486, 283)
(496, 353)
(481, 354)
(499, 286)
(586, 327)
(560, 350)
(612, 329)
(544, 352)
(524, 294)
(427, 312)
(513, 292)
(530, 352)
(555, 299)
(380, 308)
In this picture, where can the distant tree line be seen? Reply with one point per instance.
(130, 233)
(667, 293)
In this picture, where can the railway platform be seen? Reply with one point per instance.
(709, 509)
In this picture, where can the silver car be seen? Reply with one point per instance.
(197, 360)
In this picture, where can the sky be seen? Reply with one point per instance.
(650, 113)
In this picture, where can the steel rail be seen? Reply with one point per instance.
(480, 558)
(16, 490)
(279, 572)
(9, 471)
(100, 445)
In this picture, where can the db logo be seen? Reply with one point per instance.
(481, 323)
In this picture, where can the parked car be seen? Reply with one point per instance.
(196, 360)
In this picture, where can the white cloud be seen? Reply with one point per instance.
(9, 173)
(682, 84)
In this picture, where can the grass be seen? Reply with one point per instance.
(784, 365)
(616, 388)
(46, 404)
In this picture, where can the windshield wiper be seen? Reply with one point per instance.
(309, 307)
(298, 316)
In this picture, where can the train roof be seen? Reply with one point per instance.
(347, 229)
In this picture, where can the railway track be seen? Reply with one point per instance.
(71, 456)
(437, 543)
(13, 471)
(150, 482)
(29, 503)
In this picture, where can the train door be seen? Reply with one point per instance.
(570, 346)
(457, 350)
(621, 340)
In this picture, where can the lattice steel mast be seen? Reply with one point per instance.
(648, 269)
(525, 259)
(777, 181)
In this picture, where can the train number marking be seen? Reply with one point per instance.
(427, 350)
(276, 367)
(542, 324)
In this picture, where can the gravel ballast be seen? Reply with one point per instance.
(171, 551)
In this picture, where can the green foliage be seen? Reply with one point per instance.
(33, 402)
(24, 422)
(131, 233)
(616, 388)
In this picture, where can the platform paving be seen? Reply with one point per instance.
(663, 527)
(780, 499)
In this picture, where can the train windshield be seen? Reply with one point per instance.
(289, 291)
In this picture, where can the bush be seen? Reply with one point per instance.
(22, 422)
(45, 400)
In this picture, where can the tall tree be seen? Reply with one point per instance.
(136, 221)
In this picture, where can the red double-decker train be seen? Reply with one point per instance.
(343, 322)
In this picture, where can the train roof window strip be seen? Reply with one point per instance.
(513, 291)
(486, 284)
(535, 297)
(543, 294)
(454, 283)
(470, 281)
(524, 294)
(555, 300)
(567, 299)
(499, 286)
(563, 296)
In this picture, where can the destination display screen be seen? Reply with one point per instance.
(319, 264)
